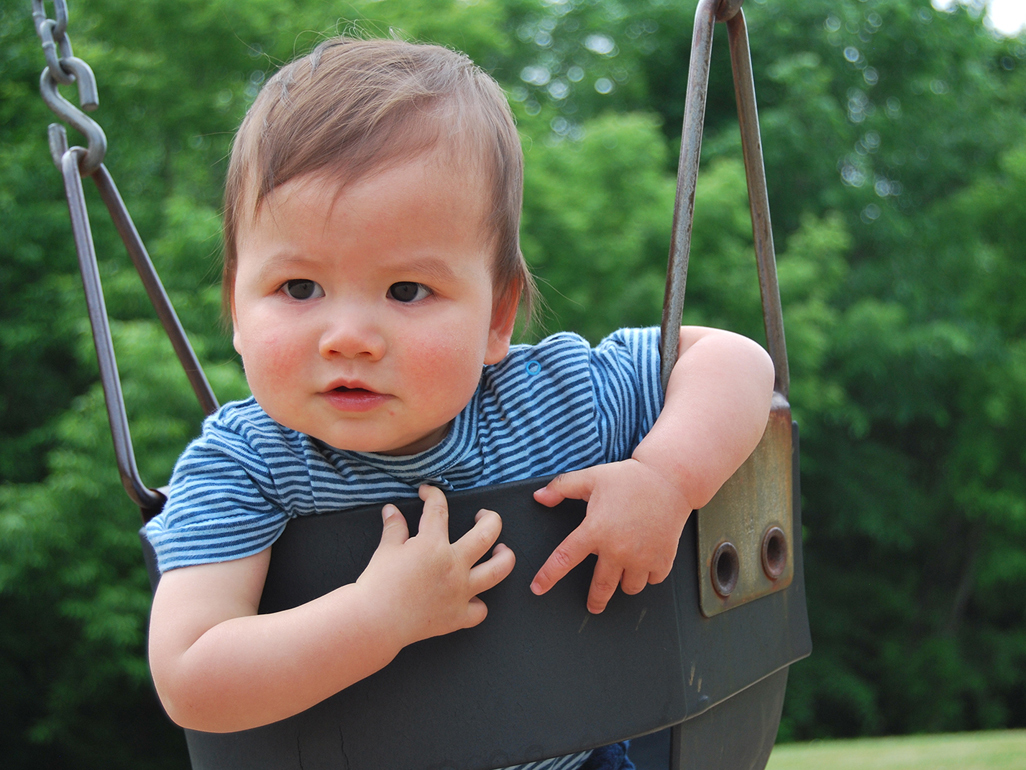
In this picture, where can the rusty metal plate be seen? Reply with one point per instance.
(745, 531)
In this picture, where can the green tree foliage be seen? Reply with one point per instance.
(893, 136)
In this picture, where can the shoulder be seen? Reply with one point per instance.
(563, 357)
(628, 350)
(242, 436)
(246, 423)
(634, 340)
(242, 418)
(553, 346)
(553, 360)
(573, 343)
(630, 354)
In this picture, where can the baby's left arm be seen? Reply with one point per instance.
(716, 408)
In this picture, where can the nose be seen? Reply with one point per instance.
(351, 334)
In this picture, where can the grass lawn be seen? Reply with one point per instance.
(998, 750)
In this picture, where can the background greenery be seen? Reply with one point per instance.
(990, 750)
(896, 155)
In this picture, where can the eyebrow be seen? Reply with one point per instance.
(432, 268)
(283, 261)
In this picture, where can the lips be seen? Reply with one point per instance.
(354, 397)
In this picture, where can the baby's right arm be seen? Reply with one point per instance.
(219, 666)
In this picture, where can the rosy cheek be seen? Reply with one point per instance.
(281, 364)
(444, 370)
(269, 359)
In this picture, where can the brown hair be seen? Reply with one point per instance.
(353, 106)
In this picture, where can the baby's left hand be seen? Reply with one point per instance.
(634, 522)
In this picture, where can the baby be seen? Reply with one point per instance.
(373, 274)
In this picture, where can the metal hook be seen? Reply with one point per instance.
(58, 139)
(89, 99)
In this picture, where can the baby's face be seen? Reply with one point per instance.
(363, 317)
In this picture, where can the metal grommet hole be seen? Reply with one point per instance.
(726, 568)
(774, 552)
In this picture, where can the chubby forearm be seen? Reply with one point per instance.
(219, 666)
(716, 409)
(251, 670)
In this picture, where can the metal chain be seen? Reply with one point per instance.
(75, 163)
(63, 68)
(51, 33)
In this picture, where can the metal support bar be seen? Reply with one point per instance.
(155, 289)
(758, 199)
(687, 179)
(143, 496)
(706, 16)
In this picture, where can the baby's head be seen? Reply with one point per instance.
(352, 107)
(372, 258)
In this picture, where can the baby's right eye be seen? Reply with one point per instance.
(301, 288)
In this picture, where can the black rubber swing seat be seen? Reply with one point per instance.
(540, 677)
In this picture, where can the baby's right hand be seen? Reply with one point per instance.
(430, 584)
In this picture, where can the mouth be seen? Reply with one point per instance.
(349, 386)
(354, 397)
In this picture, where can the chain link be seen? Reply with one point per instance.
(52, 35)
(60, 9)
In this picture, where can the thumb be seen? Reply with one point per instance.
(576, 485)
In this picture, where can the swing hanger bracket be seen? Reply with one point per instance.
(64, 68)
(745, 531)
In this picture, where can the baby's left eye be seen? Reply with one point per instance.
(407, 291)
(302, 289)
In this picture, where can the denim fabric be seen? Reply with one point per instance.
(612, 757)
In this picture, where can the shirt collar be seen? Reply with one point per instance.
(431, 464)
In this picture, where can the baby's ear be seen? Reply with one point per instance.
(234, 329)
(504, 317)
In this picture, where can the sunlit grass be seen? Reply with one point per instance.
(999, 750)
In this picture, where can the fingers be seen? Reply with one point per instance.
(604, 582)
(476, 613)
(490, 573)
(479, 538)
(435, 517)
(634, 582)
(568, 554)
(484, 576)
(394, 529)
(471, 548)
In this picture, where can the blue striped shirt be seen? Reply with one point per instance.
(544, 409)
(553, 407)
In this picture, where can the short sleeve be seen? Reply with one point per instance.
(220, 505)
(628, 393)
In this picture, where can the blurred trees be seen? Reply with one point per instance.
(893, 137)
